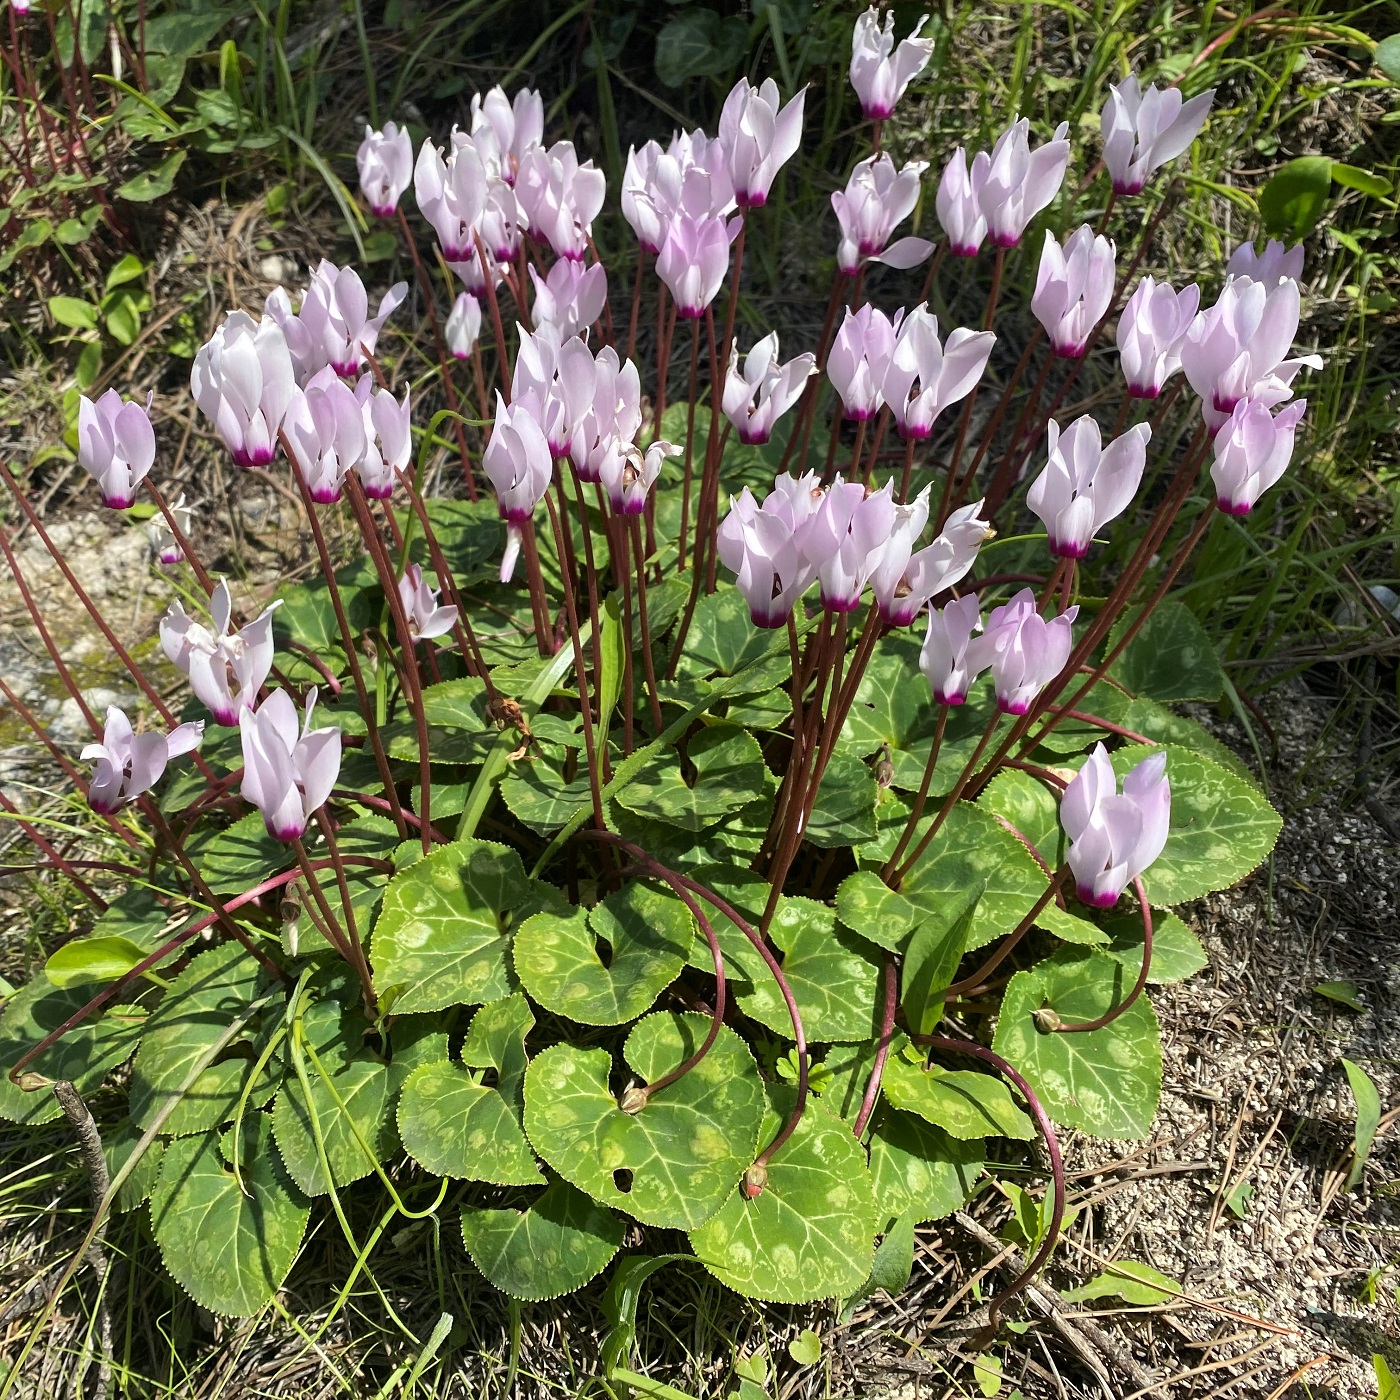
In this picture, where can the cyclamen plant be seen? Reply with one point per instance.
(776, 910)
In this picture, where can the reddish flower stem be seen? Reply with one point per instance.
(375, 543)
(425, 287)
(882, 1052)
(1052, 1148)
(94, 613)
(347, 637)
(581, 674)
(60, 862)
(181, 539)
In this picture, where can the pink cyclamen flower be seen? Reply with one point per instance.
(116, 445)
(602, 405)
(693, 260)
(628, 473)
(880, 71)
(1252, 451)
(426, 616)
(1142, 131)
(1084, 485)
(847, 538)
(1277, 263)
(385, 161)
(243, 379)
(1019, 182)
(755, 399)
(765, 546)
(560, 197)
(126, 764)
(327, 432)
(542, 364)
(1114, 836)
(226, 668)
(501, 220)
(959, 202)
(463, 326)
(388, 425)
(509, 129)
(860, 358)
(518, 464)
(571, 297)
(1023, 650)
(333, 325)
(945, 657)
(877, 198)
(451, 194)
(1073, 288)
(758, 137)
(164, 545)
(924, 376)
(1151, 332)
(690, 176)
(287, 774)
(905, 578)
(1240, 343)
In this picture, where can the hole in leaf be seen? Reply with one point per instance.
(622, 1179)
(604, 949)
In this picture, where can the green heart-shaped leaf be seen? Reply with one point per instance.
(673, 1162)
(834, 976)
(536, 792)
(647, 936)
(214, 987)
(964, 1103)
(1294, 198)
(228, 1248)
(1170, 657)
(810, 1232)
(555, 1246)
(844, 812)
(445, 928)
(350, 1107)
(722, 640)
(867, 904)
(455, 1126)
(918, 1169)
(1106, 1082)
(729, 774)
(1028, 805)
(1176, 951)
(235, 859)
(85, 1055)
(496, 1040)
(971, 848)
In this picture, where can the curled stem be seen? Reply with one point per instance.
(1052, 1148)
(1099, 1022)
(649, 865)
(1009, 943)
